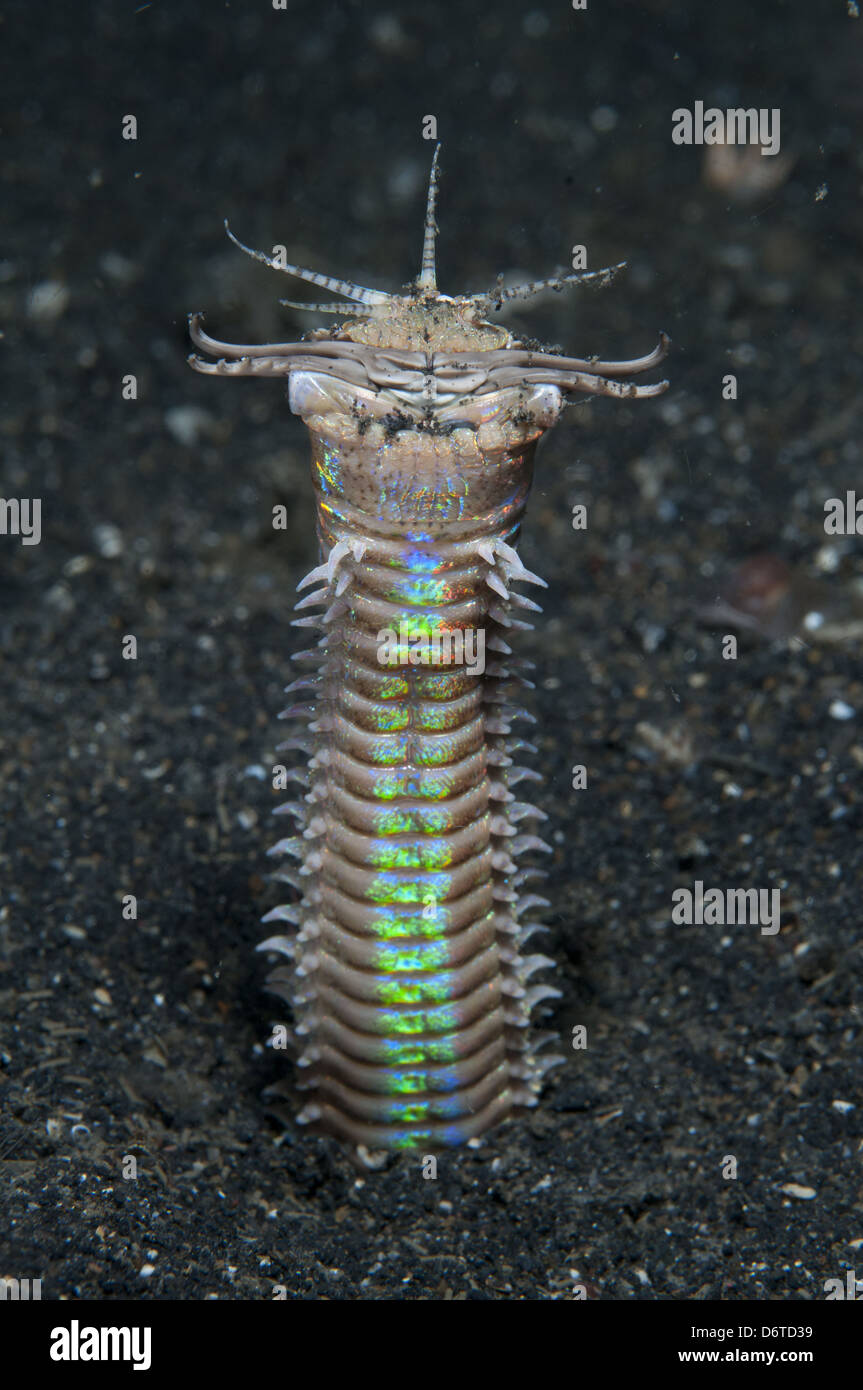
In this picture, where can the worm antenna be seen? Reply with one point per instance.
(334, 307)
(427, 277)
(327, 282)
(499, 296)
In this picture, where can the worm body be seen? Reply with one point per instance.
(408, 968)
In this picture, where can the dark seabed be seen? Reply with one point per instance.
(705, 517)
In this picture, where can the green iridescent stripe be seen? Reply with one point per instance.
(387, 752)
(427, 989)
(406, 783)
(415, 888)
(416, 854)
(393, 924)
(434, 754)
(419, 820)
(420, 955)
(401, 1021)
(389, 718)
(407, 1052)
(421, 590)
(395, 687)
(437, 719)
(442, 685)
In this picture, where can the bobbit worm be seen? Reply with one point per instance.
(408, 969)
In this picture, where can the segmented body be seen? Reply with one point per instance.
(409, 976)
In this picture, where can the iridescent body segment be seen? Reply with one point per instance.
(408, 976)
